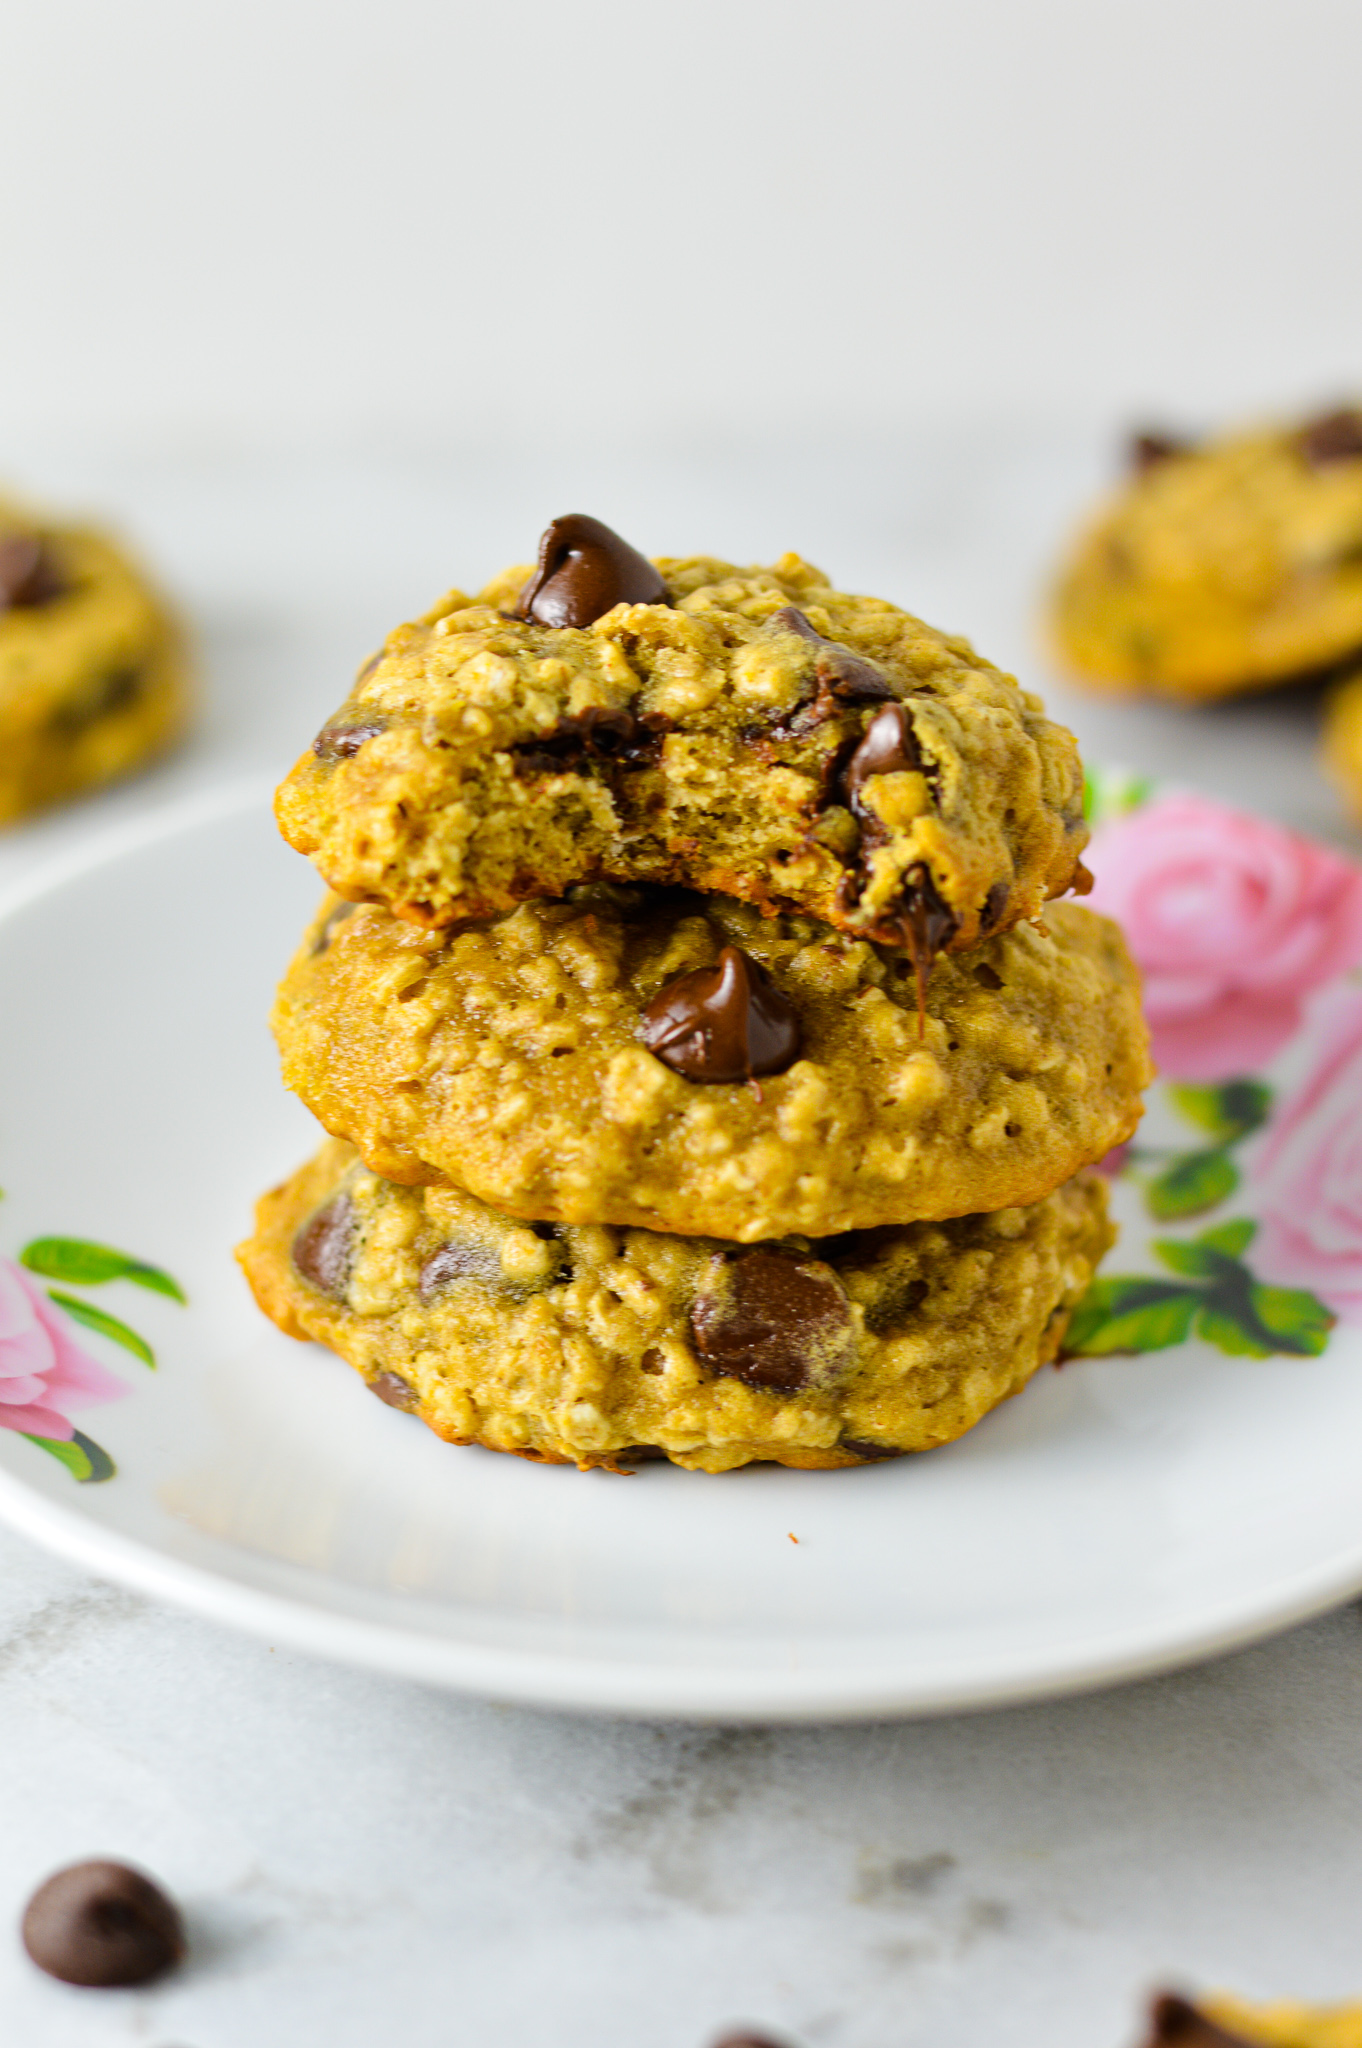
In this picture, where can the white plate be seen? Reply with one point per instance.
(1122, 1516)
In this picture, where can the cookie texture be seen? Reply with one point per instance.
(92, 669)
(596, 1346)
(1228, 566)
(1343, 738)
(756, 732)
(512, 1057)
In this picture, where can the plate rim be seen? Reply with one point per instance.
(595, 1682)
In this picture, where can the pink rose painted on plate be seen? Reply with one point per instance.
(1307, 1180)
(1232, 920)
(44, 1373)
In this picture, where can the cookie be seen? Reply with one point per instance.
(1343, 738)
(92, 671)
(1223, 2022)
(1224, 566)
(751, 731)
(589, 1061)
(594, 1346)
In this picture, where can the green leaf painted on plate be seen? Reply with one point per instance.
(107, 1325)
(1228, 1111)
(1111, 792)
(1232, 1238)
(1190, 1257)
(1130, 1314)
(1297, 1321)
(1239, 1336)
(82, 1457)
(1194, 1182)
(78, 1261)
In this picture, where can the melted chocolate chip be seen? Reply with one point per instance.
(1175, 2023)
(102, 1924)
(461, 1258)
(336, 915)
(1148, 449)
(888, 746)
(393, 1391)
(868, 1451)
(841, 676)
(339, 742)
(29, 575)
(772, 1319)
(584, 571)
(602, 732)
(995, 907)
(1333, 437)
(323, 1248)
(729, 1022)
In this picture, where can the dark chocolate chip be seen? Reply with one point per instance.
(888, 746)
(602, 732)
(461, 1258)
(986, 976)
(1148, 449)
(1175, 2023)
(870, 1452)
(1333, 437)
(336, 915)
(324, 1246)
(747, 2041)
(29, 574)
(842, 677)
(584, 571)
(729, 1022)
(114, 691)
(771, 1319)
(338, 742)
(394, 1391)
(102, 1924)
(995, 907)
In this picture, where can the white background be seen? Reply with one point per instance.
(333, 305)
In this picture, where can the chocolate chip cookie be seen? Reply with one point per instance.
(681, 1062)
(1222, 566)
(1223, 2022)
(595, 1346)
(92, 671)
(750, 731)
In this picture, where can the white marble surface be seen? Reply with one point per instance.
(362, 1860)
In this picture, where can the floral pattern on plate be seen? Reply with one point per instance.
(1249, 938)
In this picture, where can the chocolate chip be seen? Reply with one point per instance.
(1175, 2023)
(870, 1452)
(584, 571)
(747, 2041)
(728, 1022)
(1148, 449)
(771, 1319)
(602, 732)
(995, 907)
(394, 1391)
(323, 1248)
(888, 746)
(114, 691)
(1333, 437)
(102, 1924)
(29, 574)
(461, 1258)
(841, 676)
(338, 742)
(986, 976)
(336, 915)
(367, 669)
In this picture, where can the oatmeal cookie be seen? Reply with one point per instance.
(92, 672)
(683, 1063)
(594, 1346)
(1225, 566)
(1343, 738)
(751, 731)
(1223, 2022)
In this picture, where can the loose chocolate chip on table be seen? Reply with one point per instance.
(1149, 449)
(393, 1390)
(102, 1924)
(1333, 437)
(771, 1319)
(338, 742)
(728, 1022)
(842, 677)
(323, 1247)
(29, 575)
(1175, 2023)
(584, 571)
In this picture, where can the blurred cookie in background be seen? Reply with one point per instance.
(93, 674)
(1221, 566)
(1343, 738)
(1222, 2022)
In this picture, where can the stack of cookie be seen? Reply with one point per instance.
(710, 1073)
